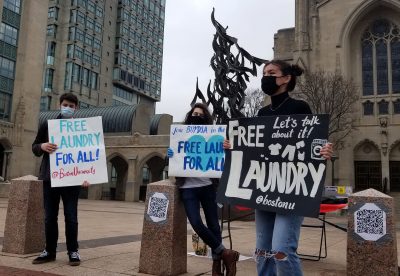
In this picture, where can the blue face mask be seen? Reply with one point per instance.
(67, 112)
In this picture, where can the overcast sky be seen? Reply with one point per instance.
(188, 36)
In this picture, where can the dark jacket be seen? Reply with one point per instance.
(43, 137)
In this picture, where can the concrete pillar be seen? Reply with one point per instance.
(371, 235)
(131, 191)
(164, 236)
(24, 228)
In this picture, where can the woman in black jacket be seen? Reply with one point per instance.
(201, 190)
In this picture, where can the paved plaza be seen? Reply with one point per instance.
(110, 235)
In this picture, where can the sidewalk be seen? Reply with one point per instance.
(110, 234)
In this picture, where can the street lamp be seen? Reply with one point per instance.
(333, 159)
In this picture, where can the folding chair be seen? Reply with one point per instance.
(323, 251)
(229, 219)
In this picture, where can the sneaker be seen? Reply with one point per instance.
(44, 257)
(74, 258)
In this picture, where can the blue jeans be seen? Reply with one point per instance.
(277, 233)
(51, 198)
(210, 234)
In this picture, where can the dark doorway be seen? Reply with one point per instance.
(115, 188)
(368, 174)
(152, 171)
(2, 160)
(394, 170)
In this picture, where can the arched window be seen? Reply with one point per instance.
(380, 54)
(396, 106)
(383, 107)
(368, 108)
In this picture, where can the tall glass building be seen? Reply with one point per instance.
(9, 29)
(107, 52)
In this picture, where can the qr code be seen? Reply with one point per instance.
(158, 207)
(370, 222)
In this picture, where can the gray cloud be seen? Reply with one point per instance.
(188, 36)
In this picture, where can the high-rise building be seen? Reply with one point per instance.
(107, 52)
(22, 46)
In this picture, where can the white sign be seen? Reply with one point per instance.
(370, 222)
(198, 150)
(80, 155)
(158, 207)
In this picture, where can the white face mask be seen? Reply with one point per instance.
(67, 112)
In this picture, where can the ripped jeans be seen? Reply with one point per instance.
(277, 233)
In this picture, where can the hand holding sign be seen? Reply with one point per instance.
(48, 147)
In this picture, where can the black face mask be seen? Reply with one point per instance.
(268, 85)
(196, 120)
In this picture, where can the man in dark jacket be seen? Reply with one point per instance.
(52, 195)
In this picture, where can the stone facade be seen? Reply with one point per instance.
(328, 36)
(19, 130)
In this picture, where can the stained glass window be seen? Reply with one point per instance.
(367, 69)
(368, 108)
(383, 107)
(380, 65)
(395, 46)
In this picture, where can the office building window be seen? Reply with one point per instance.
(51, 30)
(7, 68)
(51, 52)
(8, 34)
(91, 6)
(13, 5)
(48, 79)
(5, 105)
(45, 102)
(93, 80)
(52, 13)
(76, 71)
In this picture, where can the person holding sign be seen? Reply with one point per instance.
(277, 235)
(51, 195)
(199, 190)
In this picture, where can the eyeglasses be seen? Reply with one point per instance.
(196, 114)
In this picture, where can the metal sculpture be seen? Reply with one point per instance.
(227, 96)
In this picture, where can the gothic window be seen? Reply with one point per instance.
(395, 47)
(383, 107)
(380, 58)
(396, 106)
(368, 107)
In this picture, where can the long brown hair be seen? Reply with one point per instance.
(207, 115)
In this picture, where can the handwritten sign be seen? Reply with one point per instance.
(198, 150)
(80, 154)
(275, 163)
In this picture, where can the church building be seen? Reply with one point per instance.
(359, 39)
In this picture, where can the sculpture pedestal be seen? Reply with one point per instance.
(24, 228)
(371, 235)
(164, 236)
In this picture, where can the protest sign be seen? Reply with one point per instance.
(198, 150)
(80, 154)
(275, 163)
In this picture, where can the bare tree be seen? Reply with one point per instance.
(253, 102)
(331, 93)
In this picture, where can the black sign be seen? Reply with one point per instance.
(275, 164)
